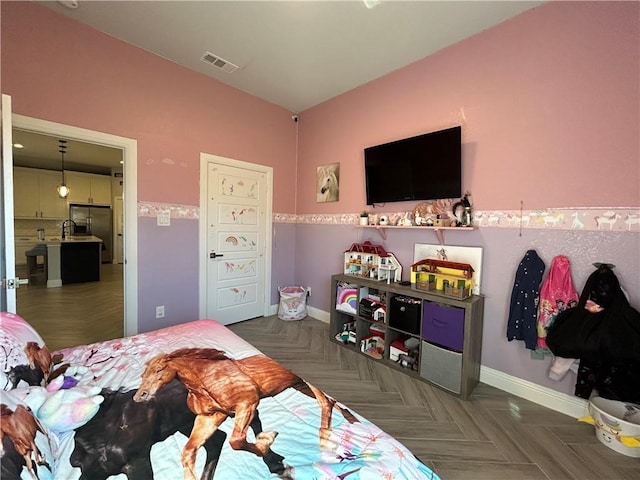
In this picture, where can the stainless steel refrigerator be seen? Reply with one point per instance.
(92, 220)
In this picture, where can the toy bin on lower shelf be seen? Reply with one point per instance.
(441, 366)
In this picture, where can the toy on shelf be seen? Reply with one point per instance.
(348, 333)
(409, 360)
(372, 261)
(462, 211)
(452, 279)
(380, 313)
(373, 344)
(367, 307)
(398, 348)
(347, 298)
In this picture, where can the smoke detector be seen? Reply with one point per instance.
(218, 62)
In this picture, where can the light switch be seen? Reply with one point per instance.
(164, 218)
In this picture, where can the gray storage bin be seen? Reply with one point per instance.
(441, 366)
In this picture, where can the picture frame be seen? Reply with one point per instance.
(328, 183)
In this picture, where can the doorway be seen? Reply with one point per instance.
(122, 277)
(235, 239)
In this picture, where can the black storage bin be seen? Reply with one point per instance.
(405, 314)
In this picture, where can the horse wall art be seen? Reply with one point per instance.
(327, 183)
(220, 387)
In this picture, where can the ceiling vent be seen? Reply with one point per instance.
(218, 62)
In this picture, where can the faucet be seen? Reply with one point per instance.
(64, 224)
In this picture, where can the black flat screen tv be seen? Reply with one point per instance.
(424, 167)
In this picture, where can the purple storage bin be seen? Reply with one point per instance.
(443, 325)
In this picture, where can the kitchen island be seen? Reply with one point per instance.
(74, 259)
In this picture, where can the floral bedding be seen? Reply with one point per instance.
(192, 401)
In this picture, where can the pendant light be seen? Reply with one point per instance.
(63, 190)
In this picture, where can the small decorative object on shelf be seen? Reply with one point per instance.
(462, 211)
(451, 279)
(372, 261)
(364, 218)
(428, 213)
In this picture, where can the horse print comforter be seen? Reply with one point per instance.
(195, 401)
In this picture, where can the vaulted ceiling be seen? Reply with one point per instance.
(296, 54)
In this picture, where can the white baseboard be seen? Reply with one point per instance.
(313, 312)
(560, 402)
(319, 314)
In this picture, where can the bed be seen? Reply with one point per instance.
(193, 401)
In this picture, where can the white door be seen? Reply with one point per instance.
(237, 216)
(7, 254)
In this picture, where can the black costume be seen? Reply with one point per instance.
(605, 336)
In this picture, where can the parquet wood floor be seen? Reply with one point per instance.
(78, 313)
(493, 436)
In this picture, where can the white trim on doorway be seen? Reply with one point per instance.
(205, 158)
(130, 155)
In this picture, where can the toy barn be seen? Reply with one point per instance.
(452, 279)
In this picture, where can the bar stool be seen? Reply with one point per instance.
(36, 270)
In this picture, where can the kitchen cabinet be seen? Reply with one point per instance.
(36, 195)
(87, 188)
(80, 261)
(430, 337)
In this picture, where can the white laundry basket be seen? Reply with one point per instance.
(293, 303)
(617, 425)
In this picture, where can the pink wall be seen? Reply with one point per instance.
(60, 70)
(548, 102)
